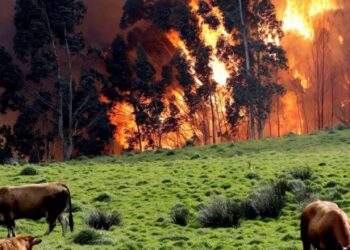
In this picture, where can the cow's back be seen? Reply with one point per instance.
(32, 201)
(325, 224)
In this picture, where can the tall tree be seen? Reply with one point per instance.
(10, 100)
(10, 83)
(256, 30)
(48, 42)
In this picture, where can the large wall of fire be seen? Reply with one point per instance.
(317, 81)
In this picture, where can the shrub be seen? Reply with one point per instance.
(29, 170)
(248, 209)
(171, 152)
(342, 127)
(303, 173)
(190, 143)
(99, 219)
(104, 197)
(301, 192)
(220, 213)
(82, 158)
(90, 237)
(180, 215)
(196, 156)
(253, 176)
(75, 208)
(268, 202)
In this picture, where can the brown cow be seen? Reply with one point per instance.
(325, 226)
(34, 202)
(19, 243)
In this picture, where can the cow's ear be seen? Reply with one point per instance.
(36, 241)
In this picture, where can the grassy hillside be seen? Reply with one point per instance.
(144, 187)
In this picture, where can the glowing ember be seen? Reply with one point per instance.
(299, 14)
(341, 39)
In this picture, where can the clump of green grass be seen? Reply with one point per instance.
(180, 215)
(90, 237)
(221, 213)
(100, 219)
(253, 176)
(194, 157)
(29, 170)
(170, 152)
(104, 197)
(302, 173)
(268, 202)
(75, 208)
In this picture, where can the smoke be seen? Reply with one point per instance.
(100, 26)
(7, 29)
(101, 23)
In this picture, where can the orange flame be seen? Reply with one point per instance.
(298, 16)
(303, 79)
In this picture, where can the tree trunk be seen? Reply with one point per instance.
(332, 102)
(139, 136)
(304, 113)
(70, 146)
(278, 118)
(218, 117)
(159, 139)
(212, 119)
(249, 72)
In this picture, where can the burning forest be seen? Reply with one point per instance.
(174, 73)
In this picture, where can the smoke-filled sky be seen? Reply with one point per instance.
(101, 23)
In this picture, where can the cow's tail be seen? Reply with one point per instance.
(71, 222)
(70, 218)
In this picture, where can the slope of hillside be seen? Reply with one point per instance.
(144, 188)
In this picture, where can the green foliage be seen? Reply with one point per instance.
(220, 213)
(29, 170)
(99, 219)
(180, 215)
(90, 237)
(302, 173)
(146, 208)
(268, 202)
(104, 197)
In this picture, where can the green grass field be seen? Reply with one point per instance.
(144, 187)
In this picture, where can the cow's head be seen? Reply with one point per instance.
(28, 241)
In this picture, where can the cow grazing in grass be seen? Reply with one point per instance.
(34, 202)
(325, 227)
(19, 243)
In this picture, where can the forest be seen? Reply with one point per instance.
(176, 73)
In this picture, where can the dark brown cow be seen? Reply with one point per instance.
(34, 202)
(325, 226)
(19, 243)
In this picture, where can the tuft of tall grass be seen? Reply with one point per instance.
(180, 215)
(221, 213)
(99, 219)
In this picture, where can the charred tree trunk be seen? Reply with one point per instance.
(218, 117)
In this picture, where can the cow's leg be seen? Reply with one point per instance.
(11, 232)
(51, 220)
(63, 222)
(304, 235)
